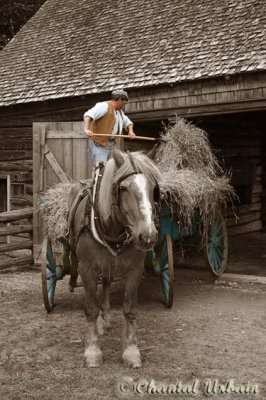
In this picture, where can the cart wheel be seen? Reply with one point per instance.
(167, 270)
(217, 245)
(50, 274)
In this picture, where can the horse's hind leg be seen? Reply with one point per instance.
(131, 354)
(93, 354)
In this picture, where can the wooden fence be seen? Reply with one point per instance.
(10, 228)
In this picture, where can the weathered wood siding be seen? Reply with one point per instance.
(223, 95)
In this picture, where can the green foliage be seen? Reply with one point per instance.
(13, 15)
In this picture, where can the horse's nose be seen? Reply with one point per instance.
(147, 240)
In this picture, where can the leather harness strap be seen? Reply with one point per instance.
(114, 246)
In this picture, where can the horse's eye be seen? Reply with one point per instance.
(122, 189)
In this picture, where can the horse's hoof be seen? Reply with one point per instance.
(93, 357)
(131, 357)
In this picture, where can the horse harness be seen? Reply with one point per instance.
(92, 220)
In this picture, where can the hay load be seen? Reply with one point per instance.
(192, 179)
(55, 215)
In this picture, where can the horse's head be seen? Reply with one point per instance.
(136, 195)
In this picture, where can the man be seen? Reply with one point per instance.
(106, 117)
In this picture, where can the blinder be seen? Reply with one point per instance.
(117, 191)
(117, 187)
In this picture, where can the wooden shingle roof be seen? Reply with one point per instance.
(79, 47)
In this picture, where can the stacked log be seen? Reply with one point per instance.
(11, 226)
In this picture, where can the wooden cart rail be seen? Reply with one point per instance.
(15, 230)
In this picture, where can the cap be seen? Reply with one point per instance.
(119, 94)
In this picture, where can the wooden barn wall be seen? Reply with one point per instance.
(204, 97)
(147, 107)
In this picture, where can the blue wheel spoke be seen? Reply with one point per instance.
(219, 262)
(51, 289)
(220, 238)
(210, 247)
(215, 261)
(220, 253)
(215, 229)
(49, 274)
(165, 281)
(164, 269)
(217, 245)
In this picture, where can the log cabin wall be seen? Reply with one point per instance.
(205, 102)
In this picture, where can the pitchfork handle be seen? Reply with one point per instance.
(126, 136)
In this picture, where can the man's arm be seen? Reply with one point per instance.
(88, 126)
(130, 130)
(128, 125)
(98, 111)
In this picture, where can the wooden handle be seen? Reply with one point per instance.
(125, 136)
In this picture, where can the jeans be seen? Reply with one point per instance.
(99, 152)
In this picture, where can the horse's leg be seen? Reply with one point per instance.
(105, 303)
(131, 354)
(93, 353)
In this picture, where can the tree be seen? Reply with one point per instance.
(13, 15)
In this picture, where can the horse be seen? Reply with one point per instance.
(123, 227)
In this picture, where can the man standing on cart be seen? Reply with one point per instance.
(106, 117)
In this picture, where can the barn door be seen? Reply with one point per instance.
(59, 155)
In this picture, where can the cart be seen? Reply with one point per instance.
(215, 249)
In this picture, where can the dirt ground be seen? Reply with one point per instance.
(246, 255)
(211, 332)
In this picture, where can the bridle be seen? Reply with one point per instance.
(115, 247)
(117, 185)
(117, 195)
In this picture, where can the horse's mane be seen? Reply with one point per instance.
(112, 174)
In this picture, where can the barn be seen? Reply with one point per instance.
(202, 60)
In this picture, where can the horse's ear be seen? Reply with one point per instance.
(152, 153)
(117, 156)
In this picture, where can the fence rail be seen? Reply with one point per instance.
(7, 230)
(16, 215)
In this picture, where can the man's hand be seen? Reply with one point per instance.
(130, 131)
(88, 132)
(131, 135)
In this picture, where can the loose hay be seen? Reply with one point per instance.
(187, 146)
(192, 179)
(55, 215)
